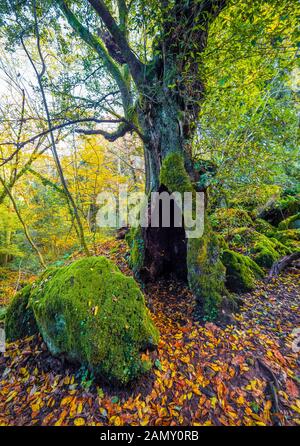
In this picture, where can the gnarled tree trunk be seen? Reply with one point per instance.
(159, 251)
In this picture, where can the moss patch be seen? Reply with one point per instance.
(134, 239)
(206, 273)
(173, 174)
(262, 249)
(264, 227)
(20, 320)
(241, 271)
(292, 222)
(94, 315)
(278, 210)
(225, 219)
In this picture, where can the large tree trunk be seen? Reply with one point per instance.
(158, 252)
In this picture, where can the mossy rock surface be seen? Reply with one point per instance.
(262, 249)
(255, 196)
(275, 211)
(292, 222)
(225, 219)
(19, 319)
(94, 315)
(241, 271)
(263, 227)
(290, 238)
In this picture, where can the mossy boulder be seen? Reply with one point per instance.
(251, 197)
(224, 219)
(292, 222)
(264, 227)
(262, 249)
(20, 320)
(278, 210)
(94, 315)
(241, 271)
(289, 238)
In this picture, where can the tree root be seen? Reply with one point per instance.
(285, 261)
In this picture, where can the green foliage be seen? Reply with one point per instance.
(20, 320)
(93, 314)
(248, 119)
(241, 271)
(9, 226)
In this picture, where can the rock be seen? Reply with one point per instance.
(241, 271)
(292, 222)
(262, 249)
(20, 320)
(94, 315)
(277, 210)
(224, 219)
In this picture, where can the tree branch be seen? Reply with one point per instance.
(135, 65)
(110, 136)
(52, 129)
(96, 43)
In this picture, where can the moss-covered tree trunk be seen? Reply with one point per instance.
(158, 252)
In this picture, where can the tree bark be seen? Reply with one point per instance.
(158, 252)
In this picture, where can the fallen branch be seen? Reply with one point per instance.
(277, 267)
(272, 383)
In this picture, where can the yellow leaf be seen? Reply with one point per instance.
(79, 409)
(79, 421)
(66, 400)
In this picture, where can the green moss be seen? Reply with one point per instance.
(262, 249)
(225, 219)
(222, 242)
(251, 197)
(94, 315)
(241, 271)
(287, 235)
(292, 222)
(173, 174)
(20, 320)
(278, 210)
(263, 227)
(206, 273)
(134, 239)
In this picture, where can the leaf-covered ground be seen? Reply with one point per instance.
(242, 374)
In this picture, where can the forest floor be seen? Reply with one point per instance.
(246, 373)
